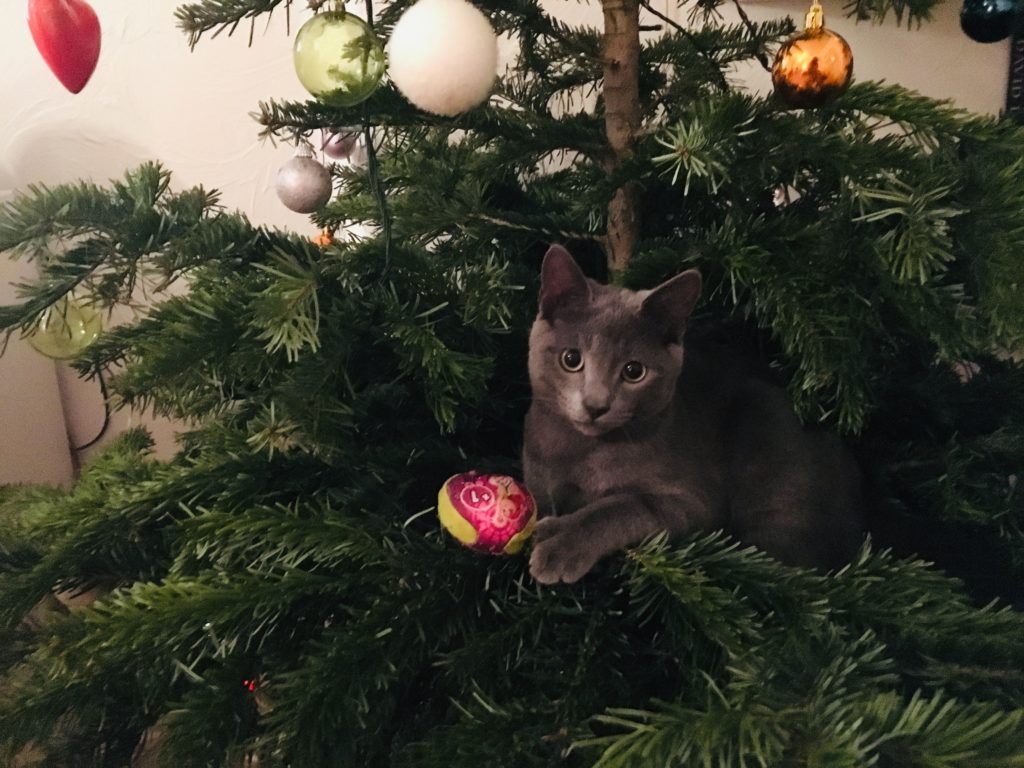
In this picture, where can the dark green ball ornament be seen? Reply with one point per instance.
(988, 21)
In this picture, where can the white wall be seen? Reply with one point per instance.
(33, 438)
(152, 98)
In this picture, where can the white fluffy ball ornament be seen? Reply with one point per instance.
(443, 56)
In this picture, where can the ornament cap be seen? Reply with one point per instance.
(815, 16)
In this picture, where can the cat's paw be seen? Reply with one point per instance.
(559, 553)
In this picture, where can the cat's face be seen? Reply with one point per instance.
(603, 357)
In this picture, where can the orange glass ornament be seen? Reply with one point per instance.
(325, 239)
(814, 67)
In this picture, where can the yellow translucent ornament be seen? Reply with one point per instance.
(338, 58)
(66, 330)
(813, 67)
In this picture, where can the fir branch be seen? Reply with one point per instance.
(291, 539)
(99, 242)
(915, 12)
(387, 109)
(219, 16)
(288, 311)
(762, 57)
(694, 41)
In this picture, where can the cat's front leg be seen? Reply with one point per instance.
(566, 548)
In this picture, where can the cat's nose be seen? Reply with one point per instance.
(596, 411)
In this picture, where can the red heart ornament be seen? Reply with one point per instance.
(67, 34)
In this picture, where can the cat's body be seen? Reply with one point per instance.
(697, 441)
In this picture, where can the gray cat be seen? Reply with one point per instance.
(624, 440)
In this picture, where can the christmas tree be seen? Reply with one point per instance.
(280, 593)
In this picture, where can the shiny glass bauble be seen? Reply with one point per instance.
(813, 68)
(303, 184)
(988, 21)
(338, 58)
(66, 330)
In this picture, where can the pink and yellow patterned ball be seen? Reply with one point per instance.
(488, 513)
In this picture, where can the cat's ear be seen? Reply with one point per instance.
(672, 302)
(561, 281)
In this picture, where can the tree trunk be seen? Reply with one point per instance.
(622, 121)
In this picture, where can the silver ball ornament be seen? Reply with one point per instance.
(346, 147)
(303, 184)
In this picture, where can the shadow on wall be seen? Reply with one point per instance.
(54, 152)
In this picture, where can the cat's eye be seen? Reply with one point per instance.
(572, 360)
(634, 371)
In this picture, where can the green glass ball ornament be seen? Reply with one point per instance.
(338, 58)
(66, 330)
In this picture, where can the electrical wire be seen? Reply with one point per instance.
(106, 415)
(373, 168)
